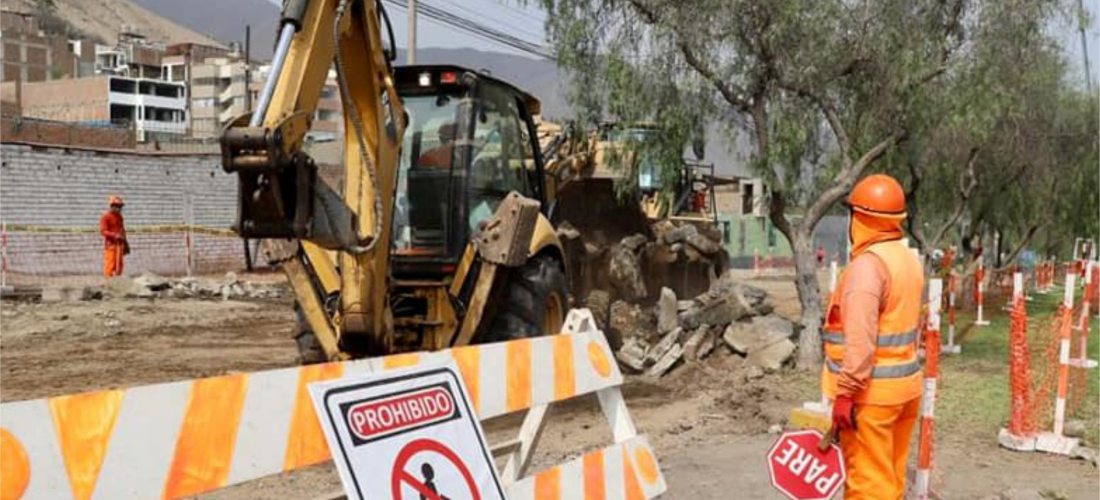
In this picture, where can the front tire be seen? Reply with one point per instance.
(533, 301)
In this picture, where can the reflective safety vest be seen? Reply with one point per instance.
(896, 377)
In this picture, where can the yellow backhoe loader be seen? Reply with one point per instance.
(438, 235)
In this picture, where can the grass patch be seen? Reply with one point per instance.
(973, 387)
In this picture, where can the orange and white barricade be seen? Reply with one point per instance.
(928, 401)
(180, 439)
(1056, 441)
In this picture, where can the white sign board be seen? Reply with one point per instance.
(406, 435)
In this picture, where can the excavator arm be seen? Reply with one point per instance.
(333, 245)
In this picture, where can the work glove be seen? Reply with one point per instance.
(844, 414)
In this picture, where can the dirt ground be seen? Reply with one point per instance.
(708, 422)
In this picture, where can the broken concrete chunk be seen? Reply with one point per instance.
(153, 282)
(739, 336)
(710, 341)
(666, 311)
(661, 348)
(627, 321)
(91, 293)
(632, 355)
(694, 341)
(773, 324)
(666, 362)
(599, 302)
(773, 356)
(724, 304)
(625, 272)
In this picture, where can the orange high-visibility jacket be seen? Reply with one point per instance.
(112, 228)
(896, 376)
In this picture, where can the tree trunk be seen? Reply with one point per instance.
(809, 295)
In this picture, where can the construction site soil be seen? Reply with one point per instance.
(708, 421)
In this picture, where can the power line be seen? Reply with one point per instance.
(477, 29)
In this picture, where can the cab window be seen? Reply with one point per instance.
(500, 153)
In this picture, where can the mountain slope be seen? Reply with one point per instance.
(224, 20)
(104, 18)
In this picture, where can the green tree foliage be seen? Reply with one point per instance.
(822, 89)
(1006, 144)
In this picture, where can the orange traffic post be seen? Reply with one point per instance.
(928, 401)
(1088, 297)
(1056, 441)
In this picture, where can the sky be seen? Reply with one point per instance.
(525, 20)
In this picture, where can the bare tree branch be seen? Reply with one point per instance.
(968, 181)
(734, 95)
(847, 178)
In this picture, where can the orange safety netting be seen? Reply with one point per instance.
(1021, 418)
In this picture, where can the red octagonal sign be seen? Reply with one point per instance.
(800, 471)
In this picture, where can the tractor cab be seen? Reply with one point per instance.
(470, 140)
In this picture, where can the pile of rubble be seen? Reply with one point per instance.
(684, 257)
(730, 317)
(149, 285)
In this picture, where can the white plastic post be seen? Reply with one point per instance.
(832, 276)
(980, 321)
(1017, 286)
(950, 347)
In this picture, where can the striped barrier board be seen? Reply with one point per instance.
(624, 471)
(179, 439)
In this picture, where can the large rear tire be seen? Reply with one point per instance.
(532, 303)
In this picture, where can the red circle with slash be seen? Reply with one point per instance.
(427, 446)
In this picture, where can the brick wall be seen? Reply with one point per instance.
(14, 129)
(60, 188)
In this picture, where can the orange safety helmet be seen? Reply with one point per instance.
(115, 200)
(878, 195)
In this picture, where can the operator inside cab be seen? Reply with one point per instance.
(441, 155)
(871, 369)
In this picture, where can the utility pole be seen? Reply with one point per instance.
(411, 50)
(1084, 44)
(248, 68)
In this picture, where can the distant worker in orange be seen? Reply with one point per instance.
(115, 246)
(871, 370)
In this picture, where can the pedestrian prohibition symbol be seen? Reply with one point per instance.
(406, 435)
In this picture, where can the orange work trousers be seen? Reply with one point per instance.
(876, 452)
(112, 259)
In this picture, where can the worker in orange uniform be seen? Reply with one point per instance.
(115, 246)
(871, 370)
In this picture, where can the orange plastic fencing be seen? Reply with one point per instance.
(1021, 418)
